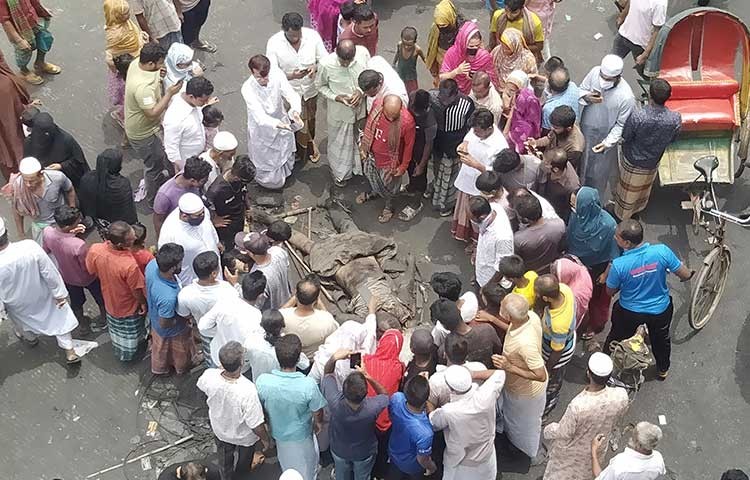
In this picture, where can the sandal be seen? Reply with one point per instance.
(48, 68)
(408, 213)
(73, 359)
(385, 216)
(364, 197)
(32, 78)
(205, 46)
(315, 156)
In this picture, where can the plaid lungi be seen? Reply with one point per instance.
(376, 177)
(128, 335)
(633, 189)
(446, 171)
(172, 352)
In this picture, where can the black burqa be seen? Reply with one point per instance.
(104, 193)
(50, 144)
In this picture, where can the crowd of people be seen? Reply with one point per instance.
(542, 179)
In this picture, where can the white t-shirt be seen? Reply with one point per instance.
(643, 17)
(493, 244)
(484, 152)
(184, 133)
(231, 319)
(196, 300)
(631, 465)
(234, 408)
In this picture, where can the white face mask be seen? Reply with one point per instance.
(607, 84)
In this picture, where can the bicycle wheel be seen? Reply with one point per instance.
(709, 286)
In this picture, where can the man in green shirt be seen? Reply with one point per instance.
(144, 106)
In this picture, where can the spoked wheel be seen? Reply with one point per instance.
(709, 286)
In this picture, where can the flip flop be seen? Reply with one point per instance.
(32, 78)
(363, 197)
(73, 359)
(385, 216)
(206, 47)
(30, 342)
(315, 157)
(408, 213)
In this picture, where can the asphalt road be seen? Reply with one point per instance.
(58, 423)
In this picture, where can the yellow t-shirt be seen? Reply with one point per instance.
(536, 26)
(558, 332)
(527, 292)
(523, 348)
(142, 92)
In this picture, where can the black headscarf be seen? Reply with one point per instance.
(104, 193)
(50, 144)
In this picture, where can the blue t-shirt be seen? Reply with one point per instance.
(289, 398)
(641, 276)
(161, 295)
(411, 435)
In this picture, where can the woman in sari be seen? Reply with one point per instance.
(324, 18)
(466, 57)
(445, 26)
(591, 238)
(123, 36)
(15, 98)
(106, 195)
(524, 117)
(512, 54)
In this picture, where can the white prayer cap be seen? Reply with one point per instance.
(29, 166)
(458, 378)
(612, 66)
(291, 474)
(2, 227)
(600, 364)
(225, 141)
(470, 307)
(190, 203)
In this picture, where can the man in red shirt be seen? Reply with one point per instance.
(363, 30)
(123, 288)
(386, 150)
(25, 23)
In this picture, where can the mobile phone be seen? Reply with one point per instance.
(355, 360)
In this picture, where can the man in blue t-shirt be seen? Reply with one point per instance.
(640, 275)
(410, 444)
(171, 340)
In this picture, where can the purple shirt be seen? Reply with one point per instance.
(70, 253)
(169, 194)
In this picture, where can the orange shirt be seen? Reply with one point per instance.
(120, 278)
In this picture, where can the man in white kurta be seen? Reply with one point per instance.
(270, 136)
(468, 421)
(190, 225)
(33, 294)
(607, 101)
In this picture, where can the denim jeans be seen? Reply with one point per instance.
(353, 469)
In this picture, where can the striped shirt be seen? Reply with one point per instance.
(453, 123)
(559, 328)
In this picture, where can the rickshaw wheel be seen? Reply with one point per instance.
(742, 151)
(709, 286)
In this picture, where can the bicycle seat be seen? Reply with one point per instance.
(706, 165)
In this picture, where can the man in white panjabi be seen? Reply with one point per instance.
(469, 424)
(190, 225)
(33, 294)
(270, 136)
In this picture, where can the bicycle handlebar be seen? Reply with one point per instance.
(743, 220)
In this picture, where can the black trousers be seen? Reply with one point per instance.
(625, 323)
(226, 458)
(194, 20)
(78, 296)
(395, 474)
(622, 47)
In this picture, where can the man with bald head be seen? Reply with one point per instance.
(386, 150)
(337, 82)
(485, 95)
(560, 91)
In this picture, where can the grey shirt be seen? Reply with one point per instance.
(56, 186)
(540, 245)
(352, 431)
(276, 271)
(525, 176)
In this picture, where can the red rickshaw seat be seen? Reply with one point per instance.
(710, 105)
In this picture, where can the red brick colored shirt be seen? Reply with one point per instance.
(120, 278)
(31, 8)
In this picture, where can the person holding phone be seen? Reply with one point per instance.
(353, 414)
(607, 103)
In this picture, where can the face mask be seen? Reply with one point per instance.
(483, 224)
(471, 51)
(195, 221)
(607, 84)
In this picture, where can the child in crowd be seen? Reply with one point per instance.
(405, 61)
(122, 63)
(513, 269)
(212, 118)
(492, 296)
(425, 355)
(139, 251)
